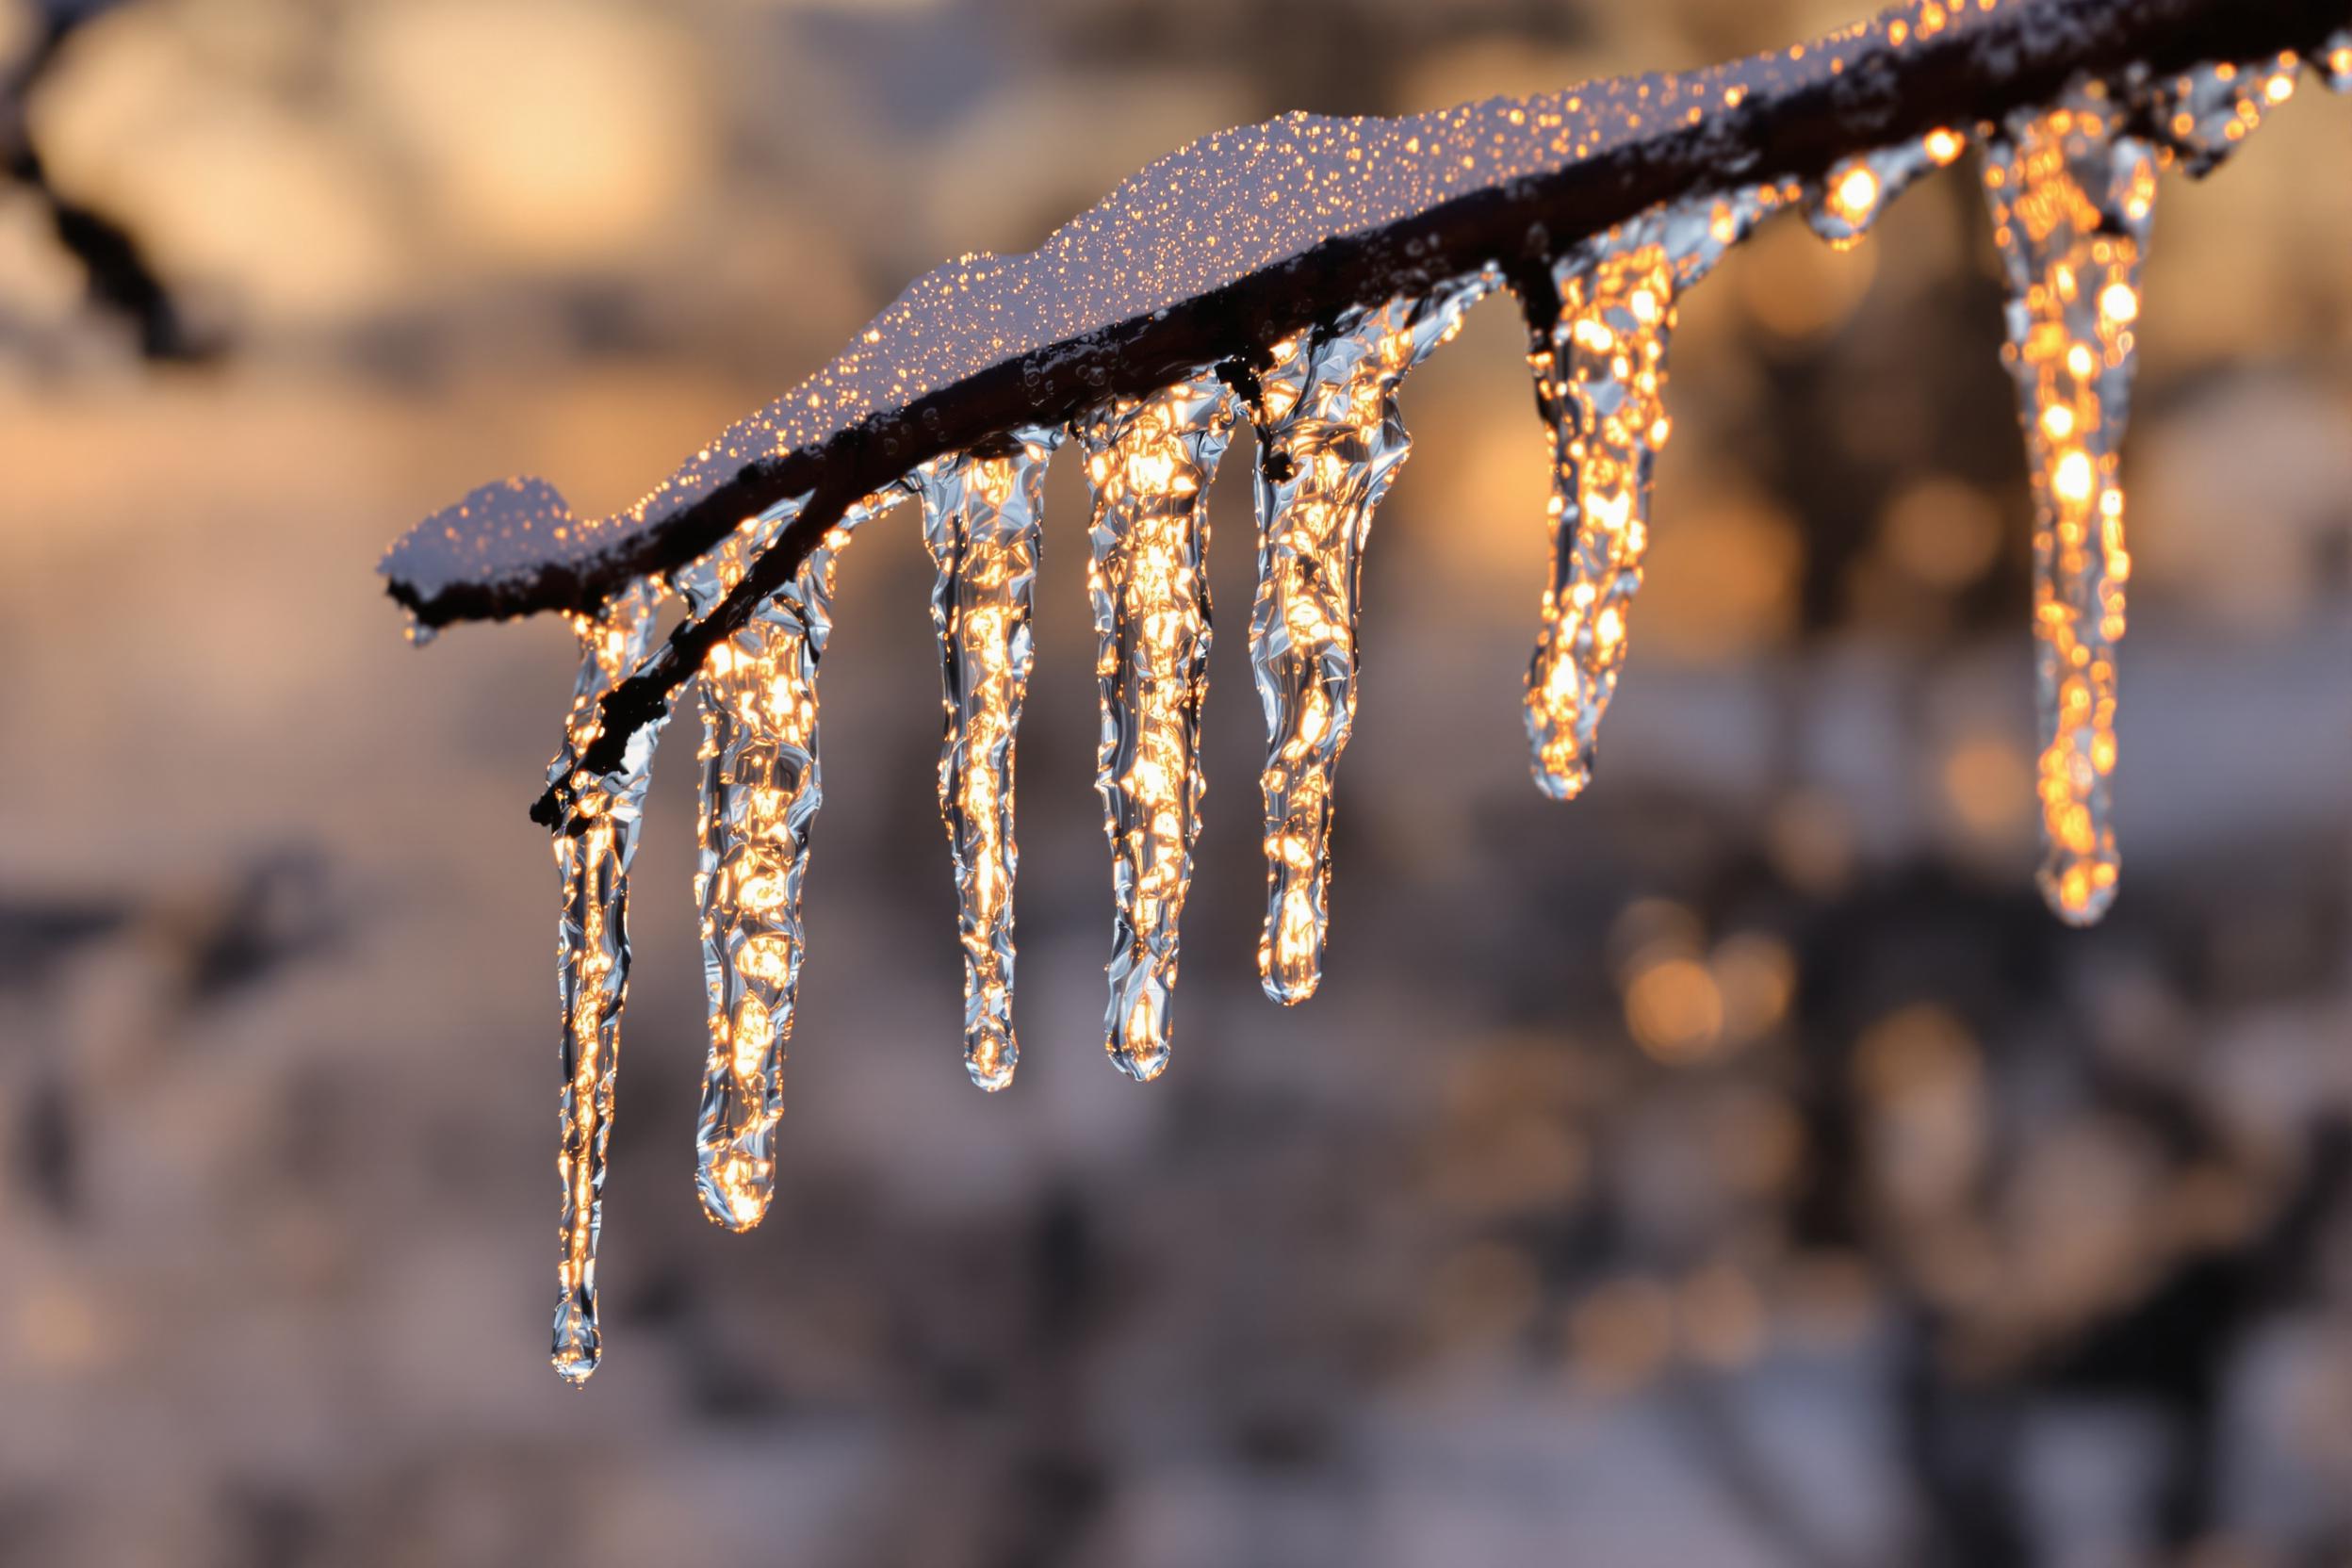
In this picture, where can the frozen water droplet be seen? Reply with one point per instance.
(419, 633)
(1331, 440)
(1600, 382)
(2206, 113)
(2335, 60)
(592, 849)
(1148, 463)
(981, 516)
(1856, 190)
(760, 790)
(2071, 197)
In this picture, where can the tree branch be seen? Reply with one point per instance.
(119, 277)
(1243, 239)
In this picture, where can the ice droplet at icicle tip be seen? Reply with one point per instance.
(593, 850)
(1150, 462)
(2071, 197)
(1856, 190)
(1600, 383)
(1331, 440)
(981, 522)
(762, 786)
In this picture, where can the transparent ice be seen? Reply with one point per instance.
(981, 518)
(762, 786)
(1331, 440)
(1600, 383)
(1149, 465)
(1848, 199)
(592, 849)
(2071, 196)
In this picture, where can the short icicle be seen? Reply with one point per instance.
(762, 786)
(1856, 190)
(2204, 114)
(593, 848)
(981, 516)
(2071, 197)
(1148, 463)
(1599, 360)
(1331, 440)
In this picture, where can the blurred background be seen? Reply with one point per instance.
(1736, 1166)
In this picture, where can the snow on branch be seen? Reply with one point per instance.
(1233, 243)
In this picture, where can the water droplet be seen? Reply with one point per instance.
(593, 850)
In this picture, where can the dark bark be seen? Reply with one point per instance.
(1792, 123)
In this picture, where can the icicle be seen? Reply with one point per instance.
(981, 512)
(2071, 197)
(2335, 60)
(592, 849)
(1148, 462)
(1600, 382)
(1856, 190)
(1331, 440)
(2207, 112)
(760, 790)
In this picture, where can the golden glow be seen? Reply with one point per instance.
(980, 521)
(760, 790)
(2070, 198)
(1149, 464)
(592, 855)
(1603, 380)
(1329, 427)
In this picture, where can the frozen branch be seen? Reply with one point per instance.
(1243, 239)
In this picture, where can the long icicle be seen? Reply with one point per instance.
(1600, 382)
(981, 512)
(1150, 462)
(592, 849)
(762, 785)
(2071, 198)
(1331, 440)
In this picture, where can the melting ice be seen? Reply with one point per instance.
(1600, 382)
(981, 516)
(2071, 196)
(1331, 440)
(1149, 464)
(592, 849)
(762, 785)
(2071, 187)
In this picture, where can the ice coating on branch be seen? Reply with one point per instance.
(2205, 113)
(2071, 197)
(1149, 465)
(1600, 384)
(1331, 440)
(1848, 199)
(592, 855)
(762, 786)
(981, 518)
(1238, 203)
